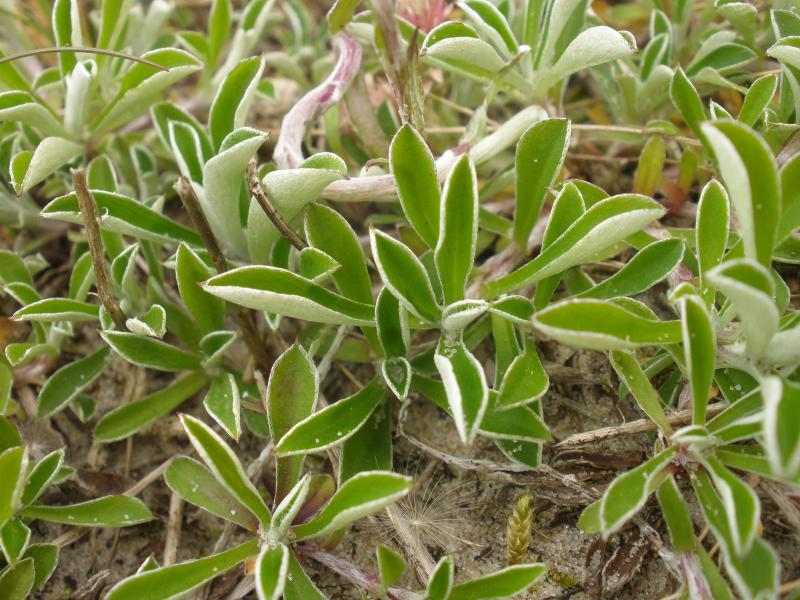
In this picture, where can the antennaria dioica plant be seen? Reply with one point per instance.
(415, 227)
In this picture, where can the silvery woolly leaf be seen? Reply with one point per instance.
(603, 325)
(152, 323)
(361, 495)
(272, 567)
(458, 230)
(223, 404)
(606, 223)
(464, 384)
(491, 24)
(540, 154)
(473, 58)
(331, 425)
(405, 276)
(283, 292)
(628, 493)
(123, 215)
(142, 83)
(175, 581)
(225, 466)
(414, 169)
(22, 107)
(51, 310)
(699, 350)
(222, 182)
(292, 393)
(751, 290)
(290, 191)
(595, 46)
(750, 174)
(232, 100)
(50, 154)
(780, 427)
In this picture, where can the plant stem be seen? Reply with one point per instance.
(73, 49)
(257, 191)
(245, 318)
(680, 417)
(91, 221)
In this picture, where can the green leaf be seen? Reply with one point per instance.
(391, 565)
(70, 380)
(404, 275)
(288, 509)
(539, 158)
(13, 468)
(676, 515)
(392, 321)
(272, 567)
(129, 418)
(370, 448)
(190, 271)
(109, 511)
(742, 508)
(298, 585)
(328, 231)
(361, 495)
(224, 404)
(331, 425)
(699, 351)
(280, 291)
(606, 223)
(758, 97)
(519, 425)
(340, 14)
(650, 265)
(455, 249)
(780, 426)
(628, 493)
(440, 583)
(197, 485)
(167, 583)
(505, 583)
(223, 463)
(45, 560)
(50, 154)
(9, 435)
(219, 21)
(465, 385)
(525, 380)
(414, 170)
(21, 107)
(223, 177)
(14, 538)
(748, 169)
(52, 310)
(603, 325)
(711, 232)
(232, 101)
(122, 215)
(686, 99)
(291, 396)
(142, 84)
(751, 290)
(152, 353)
(45, 471)
(630, 372)
(16, 581)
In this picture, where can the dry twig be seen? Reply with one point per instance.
(257, 191)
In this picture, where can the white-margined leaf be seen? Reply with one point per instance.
(361, 495)
(232, 101)
(699, 351)
(464, 383)
(21, 107)
(280, 291)
(50, 154)
(606, 223)
(781, 426)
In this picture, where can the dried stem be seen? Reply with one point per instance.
(92, 223)
(173, 529)
(257, 191)
(680, 417)
(245, 319)
(114, 53)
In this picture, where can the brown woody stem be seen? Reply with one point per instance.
(257, 191)
(245, 318)
(91, 221)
